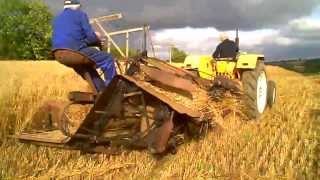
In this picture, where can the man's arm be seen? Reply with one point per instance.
(91, 37)
(237, 48)
(216, 53)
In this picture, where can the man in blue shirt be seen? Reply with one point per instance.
(72, 30)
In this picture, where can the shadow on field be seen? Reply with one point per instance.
(305, 67)
(315, 113)
(317, 94)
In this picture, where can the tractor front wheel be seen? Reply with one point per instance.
(272, 93)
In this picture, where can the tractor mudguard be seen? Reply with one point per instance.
(248, 61)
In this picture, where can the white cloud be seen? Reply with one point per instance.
(205, 40)
(192, 40)
(185, 35)
(285, 41)
(305, 24)
(251, 39)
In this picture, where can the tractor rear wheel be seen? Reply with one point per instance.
(255, 89)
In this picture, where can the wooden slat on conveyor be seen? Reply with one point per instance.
(55, 136)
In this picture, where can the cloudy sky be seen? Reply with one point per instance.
(281, 29)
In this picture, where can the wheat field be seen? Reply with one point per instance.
(283, 144)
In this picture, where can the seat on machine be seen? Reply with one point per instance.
(72, 58)
(75, 59)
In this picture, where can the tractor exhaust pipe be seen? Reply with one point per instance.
(237, 40)
(144, 45)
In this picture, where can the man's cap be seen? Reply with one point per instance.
(71, 2)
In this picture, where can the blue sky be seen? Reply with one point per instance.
(279, 29)
(316, 13)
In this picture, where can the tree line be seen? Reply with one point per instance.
(25, 29)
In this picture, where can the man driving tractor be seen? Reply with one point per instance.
(72, 31)
(226, 49)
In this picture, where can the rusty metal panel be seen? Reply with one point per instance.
(168, 79)
(81, 97)
(109, 100)
(203, 83)
(168, 68)
(181, 109)
(162, 135)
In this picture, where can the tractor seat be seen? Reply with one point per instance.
(226, 59)
(72, 58)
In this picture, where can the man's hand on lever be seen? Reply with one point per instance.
(101, 39)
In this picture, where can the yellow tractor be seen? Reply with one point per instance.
(246, 70)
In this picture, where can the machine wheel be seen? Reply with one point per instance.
(255, 88)
(272, 93)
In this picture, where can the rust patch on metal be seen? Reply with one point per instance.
(162, 135)
(81, 97)
(167, 79)
(167, 68)
(177, 107)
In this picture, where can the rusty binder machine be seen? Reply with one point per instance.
(137, 110)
